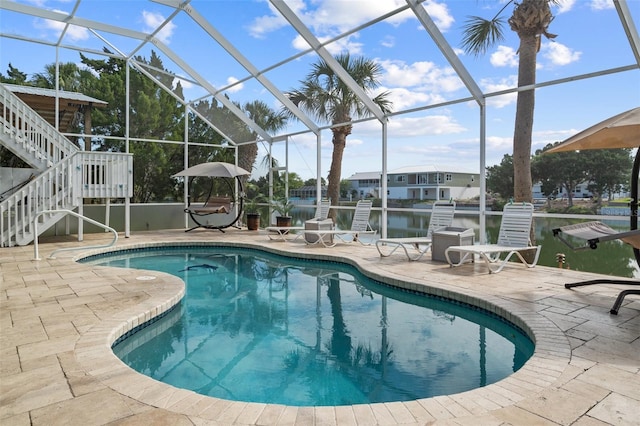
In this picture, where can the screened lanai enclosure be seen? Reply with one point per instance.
(194, 81)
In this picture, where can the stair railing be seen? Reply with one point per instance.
(31, 134)
(63, 187)
(36, 253)
(55, 188)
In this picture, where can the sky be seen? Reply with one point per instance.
(589, 39)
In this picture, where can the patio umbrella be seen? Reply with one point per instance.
(620, 131)
(214, 169)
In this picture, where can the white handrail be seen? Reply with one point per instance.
(36, 255)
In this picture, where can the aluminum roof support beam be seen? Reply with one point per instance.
(141, 68)
(304, 32)
(446, 50)
(629, 27)
(89, 24)
(471, 85)
(209, 87)
(66, 19)
(242, 60)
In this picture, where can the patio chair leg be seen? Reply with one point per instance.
(621, 295)
(620, 298)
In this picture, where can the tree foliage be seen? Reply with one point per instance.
(153, 114)
(561, 170)
(500, 178)
(325, 97)
(606, 171)
(14, 76)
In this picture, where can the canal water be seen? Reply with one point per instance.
(610, 258)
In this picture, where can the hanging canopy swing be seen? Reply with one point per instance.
(214, 205)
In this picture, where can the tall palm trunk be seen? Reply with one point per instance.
(523, 187)
(335, 172)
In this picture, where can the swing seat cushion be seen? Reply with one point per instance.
(212, 206)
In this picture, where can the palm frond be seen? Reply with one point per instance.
(479, 34)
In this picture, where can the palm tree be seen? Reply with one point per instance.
(530, 20)
(328, 99)
(269, 120)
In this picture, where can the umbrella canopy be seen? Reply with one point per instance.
(214, 169)
(620, 131)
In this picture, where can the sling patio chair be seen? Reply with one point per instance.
(282, 232)
(513, 238)
(359, 226)
(594, 233)
(415, 247)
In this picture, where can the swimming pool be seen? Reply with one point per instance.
(265, 328)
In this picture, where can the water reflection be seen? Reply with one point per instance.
(252, 328)
(611, 258)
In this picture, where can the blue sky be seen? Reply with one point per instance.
(589, 39)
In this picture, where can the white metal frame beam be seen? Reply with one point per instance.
(319, 48)
(629, 27)
(242, 60)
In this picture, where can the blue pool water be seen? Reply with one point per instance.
(259, 327)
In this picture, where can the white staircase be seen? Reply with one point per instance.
(67, 174)
(29, 136)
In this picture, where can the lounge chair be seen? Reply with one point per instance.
(282, 232)
(416, 247)
(513, 238)
(212, 206)
(359, 226)
(594, 233)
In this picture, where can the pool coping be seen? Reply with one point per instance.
(93, 352)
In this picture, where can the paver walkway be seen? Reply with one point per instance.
(58, 319)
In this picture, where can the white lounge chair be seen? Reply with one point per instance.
(513, 238)
(282, 232)
(416, 247)
(595, 233)
(359, 226)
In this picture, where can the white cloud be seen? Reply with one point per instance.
(343, 45)
(498, 143)
(422, 75)
(336, 16)
(403, 98)
(265, 24)
(406, 127)
(340, 15)
(153, 20)
(602, 4)
(504, 56)
(73, 33)
(565, 6)
(489, 86)
(540, 139)
(440, 14)
(388, 41)
(559, 54)
(186, 84)
(237, 87)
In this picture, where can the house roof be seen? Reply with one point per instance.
(408, 170)
(428, 169)
(68, 97)
(43, 101)
(365, 176)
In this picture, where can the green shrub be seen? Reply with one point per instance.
(580, 210)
